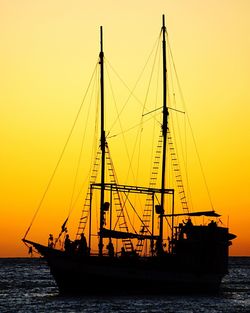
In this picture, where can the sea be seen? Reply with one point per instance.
(27, 286)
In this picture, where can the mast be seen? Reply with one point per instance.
(103, 142)
(164, 126)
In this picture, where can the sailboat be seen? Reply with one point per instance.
(187, 258)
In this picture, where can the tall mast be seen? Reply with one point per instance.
(164, 125)
(103, 142)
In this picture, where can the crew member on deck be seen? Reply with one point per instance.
(51, 241)
(82, 245)
(67, 244)
(123, 252)
(188, 228)
(110, 248)
(159, 247)
(212, 224)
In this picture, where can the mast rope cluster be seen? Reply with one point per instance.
(87, 203)
(190, 124)
(149, 202)
(60, 156)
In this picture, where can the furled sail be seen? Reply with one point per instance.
(204, 213)
(109, 233)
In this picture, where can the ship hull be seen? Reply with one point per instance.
(103, 279)
(105, 275)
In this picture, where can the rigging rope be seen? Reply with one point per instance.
(71, 206)
(60, 158)
(189, 123)
(131, 92)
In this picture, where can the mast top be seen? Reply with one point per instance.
(164, 129)
(101, 41)
(163, 23)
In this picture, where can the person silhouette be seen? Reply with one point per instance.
(110, 248)
(67, 244)
(51, 241)
(82, 245)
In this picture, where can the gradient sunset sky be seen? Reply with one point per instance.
(48, 51)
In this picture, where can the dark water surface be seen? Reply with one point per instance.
(26, 286)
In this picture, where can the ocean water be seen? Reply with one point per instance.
(27, 286)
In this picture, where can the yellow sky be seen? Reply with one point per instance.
(48, 52)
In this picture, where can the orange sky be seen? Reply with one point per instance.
(48, 52)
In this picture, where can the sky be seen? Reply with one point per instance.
(48, 52)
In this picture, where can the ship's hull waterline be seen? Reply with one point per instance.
(152, 275)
